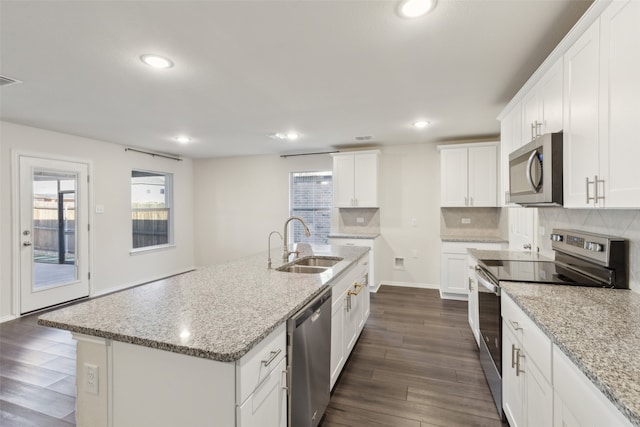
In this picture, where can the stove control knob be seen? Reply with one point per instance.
(593, 246)
(557, 237)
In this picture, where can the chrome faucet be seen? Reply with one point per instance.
(269, 246)
(286, 253)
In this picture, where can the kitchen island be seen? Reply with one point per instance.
(213, 324)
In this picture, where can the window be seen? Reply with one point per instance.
(311, 197)
(151, 209)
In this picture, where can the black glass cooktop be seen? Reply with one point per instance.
(536, 272)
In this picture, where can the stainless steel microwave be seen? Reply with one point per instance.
(535, 172)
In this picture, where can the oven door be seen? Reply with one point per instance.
(490, 334)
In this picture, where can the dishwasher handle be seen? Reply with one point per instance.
(312, 309)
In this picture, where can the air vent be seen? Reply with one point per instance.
(6, 81)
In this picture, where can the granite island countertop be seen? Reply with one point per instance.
(597, 329)
(218, 312)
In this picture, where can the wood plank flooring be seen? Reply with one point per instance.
(416, 364)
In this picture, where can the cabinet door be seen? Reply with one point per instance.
(538, 397)
(474, 321)
(267, 405)
(353, 319)
(510, 140)
(512, 387)
(453, 177)
(550, 96)
(620, 104)
(343, 181)
(454, 274)
(531, 114)
(483, 166)
(580, 139)
(338, 349)
(366, 180)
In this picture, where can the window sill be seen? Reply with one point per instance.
(149, 249)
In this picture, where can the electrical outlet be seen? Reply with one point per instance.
(466, 220)
(414, 253)
(360, 220)
(91, 378)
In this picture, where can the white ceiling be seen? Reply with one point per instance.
(330, 70)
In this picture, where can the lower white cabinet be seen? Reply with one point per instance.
(267, 405)
(349, 312)
(527, 395)
(367, 243)
(577, 402)
(454, 267)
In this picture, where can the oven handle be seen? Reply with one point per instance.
(484, 281)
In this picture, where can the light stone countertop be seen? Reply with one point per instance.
(218, 312)
(475, 239)
(597, 329)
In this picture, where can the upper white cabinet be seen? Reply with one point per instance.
(510, 140)
(602, 100)
(542, 106)
(468, 175)
(355, 179)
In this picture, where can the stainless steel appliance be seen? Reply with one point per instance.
(581, 259)
(309, 354)
(535, 172)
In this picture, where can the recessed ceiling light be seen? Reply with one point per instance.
(415, 8)
(282, 136)
(182, 139)
(156, 61)
(421, 124)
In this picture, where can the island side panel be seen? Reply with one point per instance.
(92, 403)
(158, 388)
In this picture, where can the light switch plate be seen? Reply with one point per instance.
(466, 220)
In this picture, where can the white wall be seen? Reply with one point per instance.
(113, 266)
(410, 188)
(240, 200)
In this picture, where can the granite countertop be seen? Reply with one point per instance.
(475, 239)
(354, 235)
(218, 312)
(597, 329)
(507, 255)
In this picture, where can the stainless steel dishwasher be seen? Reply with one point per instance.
(309, 354)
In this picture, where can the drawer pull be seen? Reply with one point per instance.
(518, 356)
(358, 287)
(515, 325)
(272, 357)
(513, 357)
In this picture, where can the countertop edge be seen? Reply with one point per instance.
(632, 417)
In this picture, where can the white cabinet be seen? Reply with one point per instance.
(472, 306)
(542, 105)
(526, 369)
(355, 179)
(577, 402)
(602, 98)
(371, 262)
(267, 405)
(510, 140)
(468, 175)
(349, 312)
(454, 267)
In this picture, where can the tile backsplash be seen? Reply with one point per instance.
(359, 220)
(482, 222)
(618, 223)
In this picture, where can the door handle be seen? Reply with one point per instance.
(526, 246)
(27, 243)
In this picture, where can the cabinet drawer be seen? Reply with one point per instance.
(267, 404)
(536, 345)
(255, 366)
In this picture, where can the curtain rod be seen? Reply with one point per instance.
(284, 156)
(151, 153)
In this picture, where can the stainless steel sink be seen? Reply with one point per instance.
(310, 264)
(301, 269)
(317, 261)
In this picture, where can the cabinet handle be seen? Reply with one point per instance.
(532, 132)
(515, 325)
(518, 356)
(286, 379)
(513, 357)
(466, 201)
(470, 201)
(348, 301)
(596, 182)
(470, 287)
(587, 190)
(272, 357)
(357, 204)
(358, 287)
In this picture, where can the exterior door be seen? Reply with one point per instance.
(54, 238)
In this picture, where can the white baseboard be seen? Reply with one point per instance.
(7, 318)
(138, 283)
(456, 297)
(408, 285)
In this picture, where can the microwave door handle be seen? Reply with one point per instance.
(532, 158)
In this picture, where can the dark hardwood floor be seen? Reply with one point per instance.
(37, 375)
(416, 364)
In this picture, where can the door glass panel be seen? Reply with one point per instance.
(54, 229)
